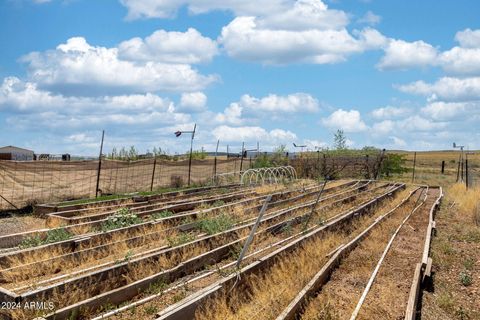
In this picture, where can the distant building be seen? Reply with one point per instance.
(15, 153)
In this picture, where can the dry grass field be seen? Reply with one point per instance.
(129, 266)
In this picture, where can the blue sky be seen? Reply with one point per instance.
(394, 74)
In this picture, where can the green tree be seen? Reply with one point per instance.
(132, 153)
(340, 140)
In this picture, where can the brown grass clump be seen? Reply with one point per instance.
(468, 200)
(80, 229)
(268, 188)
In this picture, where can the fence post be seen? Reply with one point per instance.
(153, 172)
(466, 173)
(99, 165)
(414, 164)
(314, 205)
(215, 164)
(462, 171)
(458, 168)
(241, 159)
(443, 166)
(252, 232)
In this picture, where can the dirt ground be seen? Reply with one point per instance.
(20, 224)
(455, 291)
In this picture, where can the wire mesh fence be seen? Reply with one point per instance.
(27, 182)
(444, 167)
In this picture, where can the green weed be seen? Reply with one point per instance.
(123, 218)
(54, 235)
(217, 224)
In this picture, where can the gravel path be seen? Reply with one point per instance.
(20, 224)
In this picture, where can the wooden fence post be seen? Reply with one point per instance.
(443, 166)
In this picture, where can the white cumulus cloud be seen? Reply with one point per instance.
(390, 112)
(468, 38)
(272, 106)
(170, 47)
(193, 102)
(402, 55)
(370, 18)
(450, 111)
(348, 121)
(461, 61)
(446, 88)
(76, 67)
(245, 39)
(168, 8)
(253, 133)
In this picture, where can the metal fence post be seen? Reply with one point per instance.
(241, 159)
(315, 205)
(215, 163)
(252, 232)
(462, 170)
(99, 165)
(153, 172)
(443, 166)
(458, 168)
(466, 173)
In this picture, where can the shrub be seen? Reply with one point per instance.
(393, 164)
